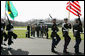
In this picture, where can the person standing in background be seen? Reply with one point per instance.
(46, 31)
(28, 31)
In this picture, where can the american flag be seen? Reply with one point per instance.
(74, 7)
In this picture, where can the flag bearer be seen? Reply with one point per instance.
(9, 28)
(65, 30)
(76, 31)
(3, 33)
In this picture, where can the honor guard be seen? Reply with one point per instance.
(9, 28)
(77, 28)
(54, 35)
(65, 30)
(2, 29)
(3, 33)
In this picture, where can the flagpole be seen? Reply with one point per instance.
(79, 18)
(5, 10)
(7, 15)
(68, 14)
(69, 11)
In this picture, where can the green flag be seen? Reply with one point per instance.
(11, 9)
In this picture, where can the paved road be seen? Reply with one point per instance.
(38, 46)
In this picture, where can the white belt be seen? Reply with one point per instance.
(2, 29)
(65, 30)
(75, 30)
(10, 30)
(54, 31)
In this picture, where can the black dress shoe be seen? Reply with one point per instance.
(1, 47)
(12, 42)
(53, 51)
(78, 53)
(65, 52)
(9, 48)
(55, 47)
(4, 44)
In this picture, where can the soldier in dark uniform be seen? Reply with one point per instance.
(55, 37)
(65, 28)
(42, 30)
(3, 33)
(77, 28)
(28, 31)
(46, 31)
(9, 28)
(37, 30)
(33, 30)
(2, 29)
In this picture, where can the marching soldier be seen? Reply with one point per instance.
(77, 28)
(3, 33)
(65, 28)
(55, 37)
(2, 28)
(9, 28)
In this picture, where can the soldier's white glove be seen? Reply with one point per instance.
(2, 29)
(54, 37)
(12, 29)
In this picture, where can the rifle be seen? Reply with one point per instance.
(52, 18)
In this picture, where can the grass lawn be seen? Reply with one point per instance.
(22, 33)
(20, 27)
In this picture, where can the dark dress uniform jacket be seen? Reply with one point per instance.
(2, 26)
(65, 28)
(76, 30)
(54, 30)
(10, 31)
